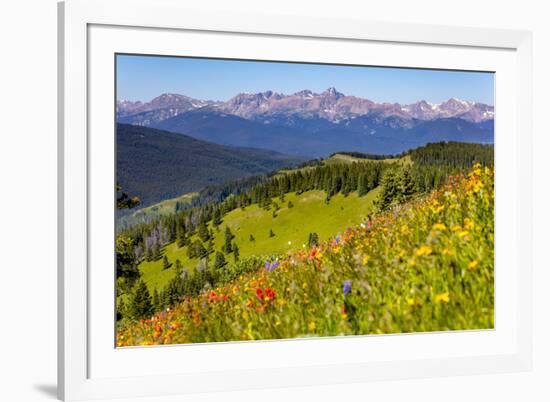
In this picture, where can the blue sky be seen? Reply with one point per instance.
(144, 77)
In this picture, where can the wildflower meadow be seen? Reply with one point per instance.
(425, 263)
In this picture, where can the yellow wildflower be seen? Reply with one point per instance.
(424, 250)
(442, 297)
(463, 233)
(311, 326)
(366, 260)
(473, 264)
(439, 226)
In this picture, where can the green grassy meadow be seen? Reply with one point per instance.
(159, 209)
(310, 213)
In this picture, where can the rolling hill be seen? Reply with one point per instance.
(155, 165)
(309, 210)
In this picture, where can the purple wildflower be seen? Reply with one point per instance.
(270, 267)
(347, 287)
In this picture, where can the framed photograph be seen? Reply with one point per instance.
(253, 201)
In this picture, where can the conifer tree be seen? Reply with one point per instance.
(165, 263)
(126, 264)
(406, 184)
(140, 304)
(203, 232)
(216, 217)
(120, 307)
(219, 261)
(178, 268)
(271, 233)
(181, 237)
(200, 250)
(227, 248)
(210, 245)
(236, 253)
(313, 239)
(156, 301)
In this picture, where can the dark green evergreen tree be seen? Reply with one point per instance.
(236, 253)
(313, 239)
(157, 306)
(227, 248)
(203, 232)
(126, 262)
(219, 261)
(181, 236)
(178, 268)
(140, 304)
(407, 186)
(216, 217)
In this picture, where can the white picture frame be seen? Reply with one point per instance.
(89, 369)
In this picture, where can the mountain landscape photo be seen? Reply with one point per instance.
(257, 201)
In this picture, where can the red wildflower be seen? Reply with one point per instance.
(260, 294)
(270, 293)
(313, 253)
(212, 297)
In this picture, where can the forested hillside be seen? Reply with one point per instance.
(231, 230)
(154, 165)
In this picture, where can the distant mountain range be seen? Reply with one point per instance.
(314, 124)
(155, 165)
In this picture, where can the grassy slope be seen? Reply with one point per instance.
(309, 211)
(427, 265)
(342, 158)
(162, 208)
(291, 227)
